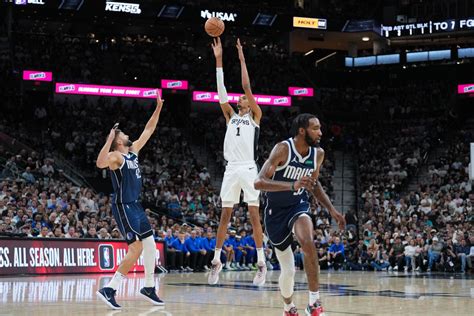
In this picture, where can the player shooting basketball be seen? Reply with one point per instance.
(240, 152)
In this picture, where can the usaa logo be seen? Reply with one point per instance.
(224, 16)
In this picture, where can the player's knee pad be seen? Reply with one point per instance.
(149, 244)
(287, 275)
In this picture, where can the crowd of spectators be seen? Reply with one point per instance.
(144, 60)
(428, 229)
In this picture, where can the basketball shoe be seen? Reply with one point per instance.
(292, 312)
(214, 274)
(259, 279)
(107, 295)
(315, 310)
(149, 293)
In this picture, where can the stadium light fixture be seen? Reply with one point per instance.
(309, 52)
(365, 39)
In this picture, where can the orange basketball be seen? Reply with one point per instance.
(214, 27)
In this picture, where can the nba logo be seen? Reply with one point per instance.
(106, 257)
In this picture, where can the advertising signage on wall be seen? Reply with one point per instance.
(125, 7)
(301, 91)
(37, 75)
(106, 91)
(311, 23)
(466, 88)
(429, 27)
(56, 256)
(174, 84)
(204, 96)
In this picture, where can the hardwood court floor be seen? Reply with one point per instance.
(343, 293)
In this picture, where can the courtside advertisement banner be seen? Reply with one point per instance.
(301, 92)
(174, 84)
(37, 75)
(106, 91)
(466, 88)
(56, 256)
(203, 96)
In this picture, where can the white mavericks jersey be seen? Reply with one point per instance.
(241, 139)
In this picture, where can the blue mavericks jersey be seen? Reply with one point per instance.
(127, 180)
(294, 169)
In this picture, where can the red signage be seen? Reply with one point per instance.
(51, 256)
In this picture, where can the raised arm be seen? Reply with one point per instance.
(150, 126)
(106, 158)
(221, 90)
(277, 158)
(322, 196)
(257, 112)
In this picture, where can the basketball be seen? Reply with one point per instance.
(214, 27)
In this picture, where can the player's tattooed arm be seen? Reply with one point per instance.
(277, 158)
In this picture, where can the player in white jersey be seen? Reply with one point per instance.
(240, 152)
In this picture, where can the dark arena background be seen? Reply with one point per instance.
(391, 82)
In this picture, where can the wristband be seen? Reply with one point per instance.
(292, 187)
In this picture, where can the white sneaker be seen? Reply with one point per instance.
(406, 269)
(390, 268)
(428, 270)
(213, 277)
(206, 268)
(395, 268)
(259, 279)
(417, 269)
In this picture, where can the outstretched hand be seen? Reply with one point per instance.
(240, 50)
(111, 136)
(217, 47)
(159, 101)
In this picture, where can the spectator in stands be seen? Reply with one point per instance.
(462, 253)
(179, 254)
(434, 252)
(104, 234)
(28, 176)
(396, 255)
(91, 233)
(208, 244)
(410, 252)
(196, 253)
(336, 254)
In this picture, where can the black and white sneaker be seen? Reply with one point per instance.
(149, 293)
(107, 295)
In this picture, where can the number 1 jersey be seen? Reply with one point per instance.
(241, 139)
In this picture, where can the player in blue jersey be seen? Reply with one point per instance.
(120, 155)
(288, 178)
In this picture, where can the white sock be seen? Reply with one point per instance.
(260, 255)
(313, 296)
(217, 255)
(287, 307)
(149, 255)
(116, 280)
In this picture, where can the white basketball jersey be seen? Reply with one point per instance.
(241, 139)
